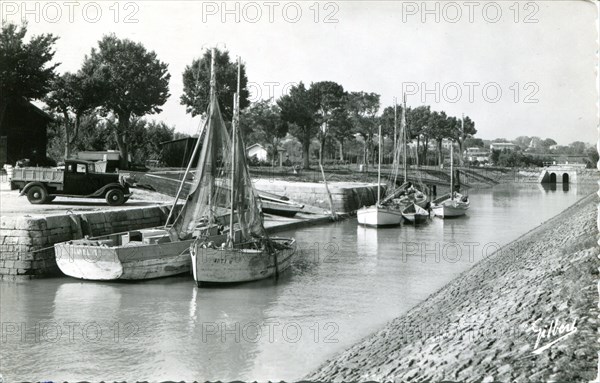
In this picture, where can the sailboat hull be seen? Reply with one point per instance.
(225, 265)
(379, 216)
(449, 209)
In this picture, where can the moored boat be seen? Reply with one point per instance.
(452, 204)
(378, 215)
(133, 255)
(406, 194)
(248, 253)
(448, 206)
(415, 214)
(271, 204)
(148, 253)
(244, 262)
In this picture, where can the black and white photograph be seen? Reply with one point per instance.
(286, 191)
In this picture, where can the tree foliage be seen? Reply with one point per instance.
(299, 110)
(261, 122)
(74, 95)
(135, 81)
(328, 97)
(363, 108)
(196, 84)
(25, 69)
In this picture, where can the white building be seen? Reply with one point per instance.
(257, 150)
(502, 146)
(262, 153)
(476, 154)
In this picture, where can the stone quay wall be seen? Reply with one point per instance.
(27, 243)
(347, 197)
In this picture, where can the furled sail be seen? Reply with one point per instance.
(210, 198)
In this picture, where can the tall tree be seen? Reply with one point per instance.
(299, 109)
(340, 127)
(440, 128)
(547, 143)
(473, 142)
(328, 96)
(136, 83)
(522, 141)
(418, 120)
(73, 96)
(25, 68)
(196, 84)
(363, 108)
(262, 121)
(463, 130)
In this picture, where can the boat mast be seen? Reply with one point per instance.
(404, 134)
(379, 169)
(234, 127)
(213, 96)
(395, 141)
(451, 170)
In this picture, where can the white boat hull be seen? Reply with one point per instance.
(116, 257)
(450, 209)
(81, 260)
(379, 216)
(224, 265)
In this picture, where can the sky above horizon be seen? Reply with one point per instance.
(517, 69)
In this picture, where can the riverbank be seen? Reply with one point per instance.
(480, 327)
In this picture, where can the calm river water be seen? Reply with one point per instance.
(346, 282)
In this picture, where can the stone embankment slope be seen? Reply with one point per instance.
(480, 327)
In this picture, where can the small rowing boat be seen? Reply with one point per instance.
(415, 214)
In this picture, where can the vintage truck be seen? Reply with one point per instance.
(79, 179)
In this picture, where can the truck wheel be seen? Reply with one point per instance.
(37, 195)
(115, 197)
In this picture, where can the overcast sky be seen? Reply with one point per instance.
(540, 55)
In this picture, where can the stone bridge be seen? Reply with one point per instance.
(559, 174)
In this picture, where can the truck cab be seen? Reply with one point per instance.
(78, 178)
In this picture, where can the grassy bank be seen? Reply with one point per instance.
(480, 326)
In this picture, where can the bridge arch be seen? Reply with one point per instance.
(565, 178)
(553, 178)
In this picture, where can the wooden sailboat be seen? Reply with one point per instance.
(249, 253)
(453, 204)
(379, 214)
(406, 194)
(146, 253)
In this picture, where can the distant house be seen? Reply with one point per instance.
(177, 153)
(262, 153)
(23, 133)
(257, 150)
(476, 154)
(502, 146)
